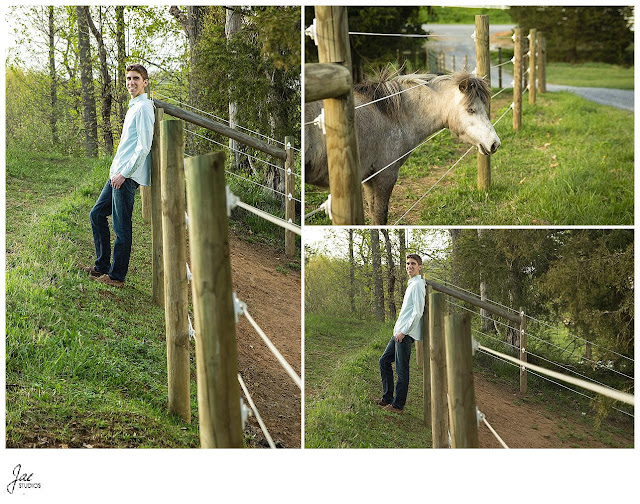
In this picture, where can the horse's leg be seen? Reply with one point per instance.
(369, 193)
(382, 194)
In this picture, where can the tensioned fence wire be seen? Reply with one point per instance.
(612, 394)
(253, 407)
(221, 119)
(541, 322)
(261, 213)
(447, 172)
(483, 418)
(240, 152)
(527, 333)
(551, 381)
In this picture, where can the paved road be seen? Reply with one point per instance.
(457, 40)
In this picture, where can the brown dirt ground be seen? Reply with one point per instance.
(531, 423)
(273, 301)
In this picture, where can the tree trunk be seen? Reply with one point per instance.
(121, 91)
(403, 256)
(377, 275)
(485, 315)
(54, 81)
(352, 273)
(391, 276)
(191, 23)
(86, 80)
(107, 96)
(232, 26)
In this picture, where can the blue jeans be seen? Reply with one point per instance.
(118, 202)
(400, 353)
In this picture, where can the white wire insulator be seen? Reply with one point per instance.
(312, 31)
(189, 275)
(239, 307)
(290, 221)
(513, 37)
(475, 71)
(326, 206)
(232, 201)
(474, 345)
(319, 122)
(289, 196)
(186, 219)
(192, 331)
(288, 146)
(473, 35)
(256, 413)
(479, 416)
(513, 83)
(245, 412)
(513, 60)
(288, 171)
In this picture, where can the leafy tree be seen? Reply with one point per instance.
(577, 34)
(369, 52)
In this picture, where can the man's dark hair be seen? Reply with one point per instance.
(416, 257)
(137, 67)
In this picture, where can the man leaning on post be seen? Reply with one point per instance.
(130, 168)
(407, 329)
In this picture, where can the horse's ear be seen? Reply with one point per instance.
(464, 85)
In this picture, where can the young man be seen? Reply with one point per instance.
(407, 329)
(131, 167)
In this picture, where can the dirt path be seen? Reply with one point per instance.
(531, 422)
(273, 300)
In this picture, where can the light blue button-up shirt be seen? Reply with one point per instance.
(132, 159)
(410, 319)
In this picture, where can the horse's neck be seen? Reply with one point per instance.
(425, 113)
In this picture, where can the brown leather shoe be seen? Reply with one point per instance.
(381, 403)
(92, 271)
(389, 407)
(107, 280)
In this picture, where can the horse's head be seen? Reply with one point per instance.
(467, 118)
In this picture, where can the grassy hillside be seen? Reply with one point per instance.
(571, 163)
(343, 380)
(86, 364)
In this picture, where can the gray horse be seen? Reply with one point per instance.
(391, 127)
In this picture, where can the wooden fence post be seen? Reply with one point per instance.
(523, 351)
(517, 79)
(499, 67)
(466, 62)
(343, 156)
(483, 69)
(462, 400)
(290, 203)
(439, 409)
(216, 356)
(532, 66)
(426, 361)
(157, 265)
(542, 63)
(453, 63)
(175, 270)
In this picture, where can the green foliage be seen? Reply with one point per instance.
(370, 52)
(578, 34)
(463, 15)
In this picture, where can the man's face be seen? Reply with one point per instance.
(413, 268)
(135, 83)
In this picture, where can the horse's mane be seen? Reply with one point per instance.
(387, 81)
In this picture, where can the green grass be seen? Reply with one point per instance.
(85, 363)
(464, 15)
(342, 378)
(590, 75)
(571, 163)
